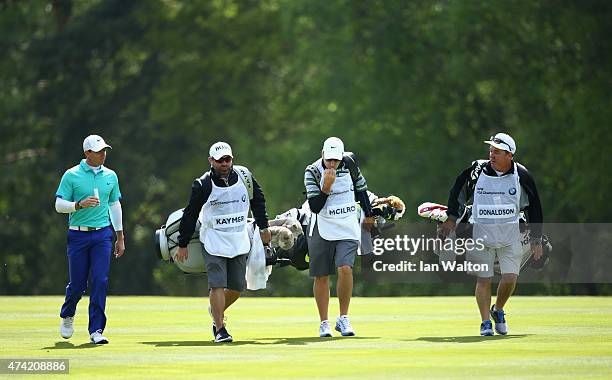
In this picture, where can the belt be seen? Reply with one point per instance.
(82, 228)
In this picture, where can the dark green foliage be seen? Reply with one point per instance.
(413, 87)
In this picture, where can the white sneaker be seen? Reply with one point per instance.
(98, 338)
(67, 327)
(325, 330)
(343, 325)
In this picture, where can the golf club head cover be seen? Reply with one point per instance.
(433, 211)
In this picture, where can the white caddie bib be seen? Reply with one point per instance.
(224, 221)
(496, 209)
(339, 218)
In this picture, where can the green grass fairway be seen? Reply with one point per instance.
(416, 337)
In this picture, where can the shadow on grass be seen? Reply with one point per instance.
(300, 341)
(70, 346)
(195, 343)
(468, 339)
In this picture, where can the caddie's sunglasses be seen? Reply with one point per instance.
(223, 159)
(497, 140)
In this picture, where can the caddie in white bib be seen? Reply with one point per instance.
(338, 219)
(224, 221)
(496, 209)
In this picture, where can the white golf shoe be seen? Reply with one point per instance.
(67, 327)
(343, 325)
(98, 338)
(325, 330)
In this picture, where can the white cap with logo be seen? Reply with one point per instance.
(94, 143)
(333, 149)
(503, 141)
(220, 149)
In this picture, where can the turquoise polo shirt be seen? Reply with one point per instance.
(79, 183)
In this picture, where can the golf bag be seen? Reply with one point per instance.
(297, 255)
(386, 211)
(259, 259)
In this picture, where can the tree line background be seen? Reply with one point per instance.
(413, 87)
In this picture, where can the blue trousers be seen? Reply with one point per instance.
(88, 258)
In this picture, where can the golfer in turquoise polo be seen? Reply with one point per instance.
(89, 193)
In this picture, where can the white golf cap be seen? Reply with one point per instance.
(220, 149)
(333, 149)
(503, 141)
(94, 143)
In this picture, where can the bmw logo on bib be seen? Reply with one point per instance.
(512, 191)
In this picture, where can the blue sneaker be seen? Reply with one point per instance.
(223, 336)
(214, 325)
(486, 328)
(500, 321)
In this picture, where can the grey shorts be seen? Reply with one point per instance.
(509, 258)
(224, 272)
(326, 255)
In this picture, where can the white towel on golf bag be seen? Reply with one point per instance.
(256, 271)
